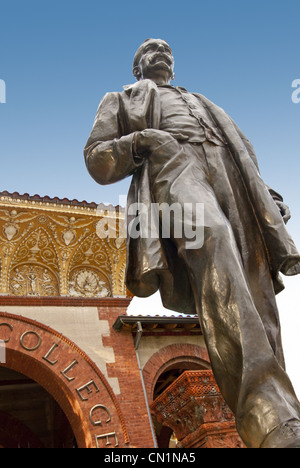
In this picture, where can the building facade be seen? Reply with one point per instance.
(77, 369)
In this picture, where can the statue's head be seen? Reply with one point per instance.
(154, 60)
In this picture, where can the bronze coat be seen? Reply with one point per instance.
(152, 263)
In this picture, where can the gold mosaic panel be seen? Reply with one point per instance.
(50, 248)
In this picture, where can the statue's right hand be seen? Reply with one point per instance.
(146, 141)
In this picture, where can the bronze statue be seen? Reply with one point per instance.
(181, 149)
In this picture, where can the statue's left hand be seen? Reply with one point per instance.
(146, 141)
(284, 210)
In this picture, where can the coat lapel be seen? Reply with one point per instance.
(144, 105)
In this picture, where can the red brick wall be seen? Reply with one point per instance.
(126, 369)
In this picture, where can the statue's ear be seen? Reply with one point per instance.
(137, 72)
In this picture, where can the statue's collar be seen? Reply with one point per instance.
(148, 84)
(139, 86)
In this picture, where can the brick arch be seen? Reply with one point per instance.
(69, 375)
(167, 358)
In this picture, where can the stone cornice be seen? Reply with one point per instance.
(59, 204)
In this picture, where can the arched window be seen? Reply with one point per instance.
(162, 370)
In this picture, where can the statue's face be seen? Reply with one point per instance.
(156, 60)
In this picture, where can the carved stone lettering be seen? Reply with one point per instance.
(99, 422)
(9, 326)
(48, 354)
(87, 388)
(107, 436)
(67, 370)
(38, 341)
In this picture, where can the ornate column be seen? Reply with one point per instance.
(192, 406)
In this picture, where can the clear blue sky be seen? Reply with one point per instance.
(58, 58)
